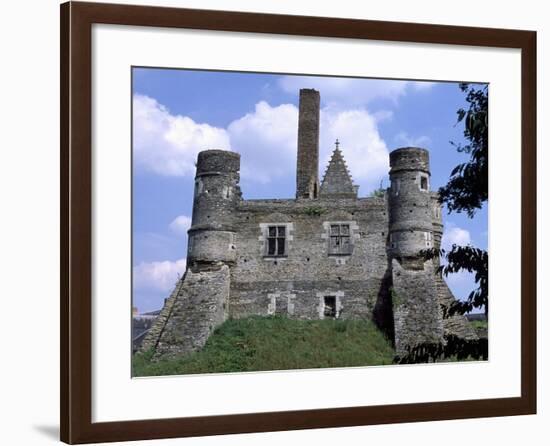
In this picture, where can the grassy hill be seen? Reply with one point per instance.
(278, 343)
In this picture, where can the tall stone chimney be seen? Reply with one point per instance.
(307, 169)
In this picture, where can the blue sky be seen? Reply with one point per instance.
(177, 113)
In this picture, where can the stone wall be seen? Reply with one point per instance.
(308, 272)
(417, 314)
(197, 306)
(307, 165)
(151, 340)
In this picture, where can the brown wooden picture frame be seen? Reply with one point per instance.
(76, 221)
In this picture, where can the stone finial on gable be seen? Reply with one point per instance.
(337, 181)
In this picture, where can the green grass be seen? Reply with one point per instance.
(277, 343)
(479, 324)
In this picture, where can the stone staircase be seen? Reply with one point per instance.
(153, 334)
(195, 308)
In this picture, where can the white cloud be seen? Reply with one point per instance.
(266, 139)
(454, 235)
(352, 91)
(422, 85)
(168, 144)
(181, 224)
(383, 115)
(363, 148)
(161, 276)
(404, 139)
(461, 282)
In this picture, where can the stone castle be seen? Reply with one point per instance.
(328, 253)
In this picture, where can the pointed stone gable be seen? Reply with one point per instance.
(337, 180)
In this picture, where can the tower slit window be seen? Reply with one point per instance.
(393, 241)
(424, 186)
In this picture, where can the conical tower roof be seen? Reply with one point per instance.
(337, 181)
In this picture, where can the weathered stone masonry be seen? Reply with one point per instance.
(325, 254)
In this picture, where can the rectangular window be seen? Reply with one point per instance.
(423, 182)
(276, 241)
(330, 307)
(340, 240)
(396, 185)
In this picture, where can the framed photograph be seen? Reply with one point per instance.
(279, 222)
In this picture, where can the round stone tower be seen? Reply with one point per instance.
(411, 203)
(217, 191)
